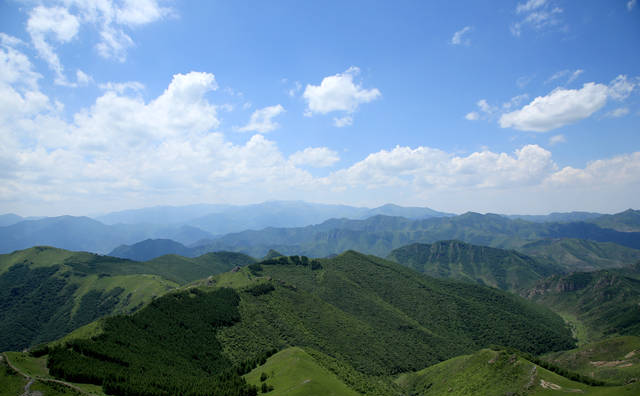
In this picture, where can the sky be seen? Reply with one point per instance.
(525, 107)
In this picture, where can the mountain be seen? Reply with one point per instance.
(556, 217)
(580, 254)
(9, 219)
(600, 303)
(83, 233)
(379, 235)
(499, 373)
(150, 249)
(46, 292)
(627, 221)
(296, 214)
(504, 269)
(162, 215)
(360, 317)
(613, 360)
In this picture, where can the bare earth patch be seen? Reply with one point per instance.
(612, 363)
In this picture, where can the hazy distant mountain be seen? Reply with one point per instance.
(380, 234)
(83, 233)
(557, 217)
(223, 219)
(161, 214)
(150, 249)
(580, 254)
(9, 219)
(627, 221)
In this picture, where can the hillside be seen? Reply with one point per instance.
(390, 320)
(379, 235)
(627, 221)
(614, 360)
(47, 292)
(580, 254)
(504, 269)
(498, 373)
(600, 303)
(150, 249)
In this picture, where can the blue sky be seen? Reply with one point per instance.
(502, 106)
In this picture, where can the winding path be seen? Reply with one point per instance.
(27, 391)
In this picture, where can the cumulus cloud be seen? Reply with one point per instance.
(561, 107)
(343, 121)
(472, 116)
(565, 106)
(458, 38)
(537, 15)
(318, 157)
(433, 168)
(338, 93)
(262, 120)
(556, 139)
(621, 169)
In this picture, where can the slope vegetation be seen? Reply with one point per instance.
(604, 302)
(498, 373)
(47, 292)
(504, 269)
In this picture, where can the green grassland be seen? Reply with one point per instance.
(11, 383)
(614, 360)
(488, 372)
(293, 372)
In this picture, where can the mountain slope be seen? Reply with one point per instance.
(498, 373)
(504, 269)
(358, 316)
(613, 360)
(627, 221)
(47, 292)
(581, 254)
(379, 235)
(604, 302)
(150, 249)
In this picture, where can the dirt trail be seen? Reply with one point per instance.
(28, 392)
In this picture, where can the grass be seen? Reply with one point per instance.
(90, 330)
(293, 372)
(617, 360)
(11, 383)
(579, 331)
(33, 367)
(497, 373)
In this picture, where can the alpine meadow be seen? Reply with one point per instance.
(339, 198)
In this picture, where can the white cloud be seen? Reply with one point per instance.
(619, 112)
(537, 15)
(343, 121)
(572, 76)
(121, 88)
(472, 116)
(338, 93)
(515, 101)
(620, 88)
(458, 39)
(54, 22)
(435, 169)
(318, 157)
(262, 120)
(553, 140)
(82, 78)
(621, 169)
(561, 107)
(631, 4)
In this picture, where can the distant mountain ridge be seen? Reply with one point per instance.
(503, 269)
